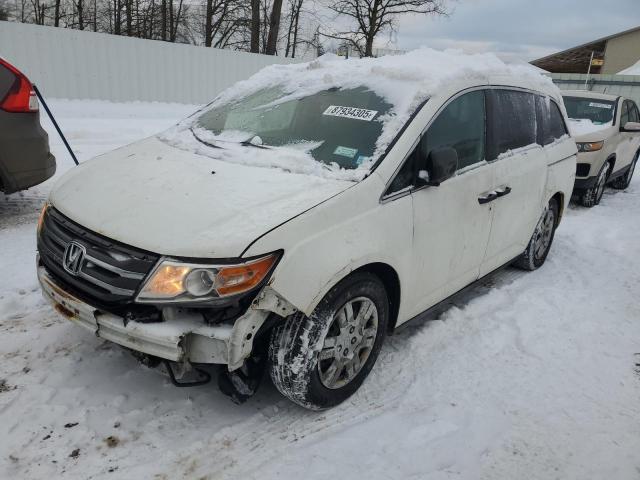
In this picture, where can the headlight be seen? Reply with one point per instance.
(174, 281)
(589, 146)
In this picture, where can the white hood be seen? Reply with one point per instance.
(584, 130)
(168, 201)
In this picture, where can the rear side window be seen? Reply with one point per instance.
(460, 125)
(557, 126)
(550, 122)
(634, 116)
(543, 119)
(512, 124)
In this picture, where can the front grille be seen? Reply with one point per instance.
(110, 273)
(582, 169)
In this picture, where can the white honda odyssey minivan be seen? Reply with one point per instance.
(307, 212)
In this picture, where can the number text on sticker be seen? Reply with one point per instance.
(351, 112)
(600, 105)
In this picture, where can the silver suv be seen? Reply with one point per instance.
(607, 131)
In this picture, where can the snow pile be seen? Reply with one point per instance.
(632, 70)
(584, 126)
(403, 81)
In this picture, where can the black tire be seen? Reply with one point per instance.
(623, 181)
(296, 344)
(534, 257)
(592, 196)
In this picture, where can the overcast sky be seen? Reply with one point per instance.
(528, 29)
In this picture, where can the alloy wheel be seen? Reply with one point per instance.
(348, 343)
(544, 234)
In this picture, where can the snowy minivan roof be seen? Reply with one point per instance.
(403, 81)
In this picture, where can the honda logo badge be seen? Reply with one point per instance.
(73, 257)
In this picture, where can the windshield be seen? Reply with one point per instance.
(335, 126)
(594, 109)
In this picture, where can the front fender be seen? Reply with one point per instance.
(327, 243)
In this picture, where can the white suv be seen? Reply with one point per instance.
(306, 213)
(607, 131)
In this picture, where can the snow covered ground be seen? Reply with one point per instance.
(533, 376)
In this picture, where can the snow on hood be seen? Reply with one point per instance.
(584, 126)
(632, 70)
(403, 81)
(155, 197)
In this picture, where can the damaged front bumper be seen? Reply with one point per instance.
(183, 336)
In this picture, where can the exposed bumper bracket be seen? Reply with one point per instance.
(204, 377)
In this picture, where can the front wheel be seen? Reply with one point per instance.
(540, 244)
(592, 196)
(321, 360)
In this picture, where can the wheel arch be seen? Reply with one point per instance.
(611, 160)
(559, 197)
(385, 272)
(391, 281)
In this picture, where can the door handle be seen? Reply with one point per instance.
(501, 192)
(487, 197)
(491, 196)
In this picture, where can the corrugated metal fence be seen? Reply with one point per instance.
(625, 85)
(76, 64)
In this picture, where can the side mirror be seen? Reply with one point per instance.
(631, 127)
(440, 165)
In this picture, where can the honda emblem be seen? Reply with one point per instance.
(73, 257)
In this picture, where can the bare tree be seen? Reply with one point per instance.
(373, 16)
(80, 10)
(255, 26)
(295, 7)
(39, 11)
(56, 13)
(274, 27)
(128, 8)
(175, 17)
(223, 20)
(250, 25)
(4, 11)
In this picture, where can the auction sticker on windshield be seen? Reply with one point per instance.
(600, 105)
(351, 112)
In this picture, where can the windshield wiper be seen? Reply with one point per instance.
(247, 143)
(208, 144)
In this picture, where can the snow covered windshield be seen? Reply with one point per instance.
(331, 117)
(335, 126)
(597, 111)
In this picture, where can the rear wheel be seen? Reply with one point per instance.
(540, 244)
(321, 360)
(623, 181)
(592, 196)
